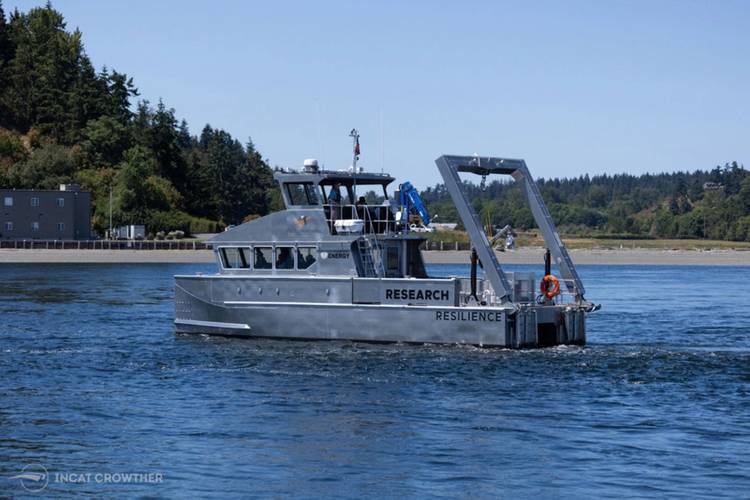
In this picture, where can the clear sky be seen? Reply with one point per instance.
(570, 86)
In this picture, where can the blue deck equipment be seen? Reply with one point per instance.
(411, 201)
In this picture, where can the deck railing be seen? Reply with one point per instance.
(103, 245)
(377, 219)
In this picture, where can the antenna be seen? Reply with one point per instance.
(354, 134)
(317, 119)
(382, 141)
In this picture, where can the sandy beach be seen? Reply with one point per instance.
(104, 256)
(636, 256)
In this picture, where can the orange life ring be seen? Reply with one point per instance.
(550, 293)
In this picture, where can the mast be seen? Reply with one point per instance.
(354, 134)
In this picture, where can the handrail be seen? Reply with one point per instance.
(373, 225)
(31, 244)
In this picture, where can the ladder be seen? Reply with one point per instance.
(371, 253)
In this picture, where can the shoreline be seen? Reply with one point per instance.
(611, 257)
(8, 256)
(615, 257)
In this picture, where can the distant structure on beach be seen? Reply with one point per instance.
(444, 226)
(30, 214)
(129, 232)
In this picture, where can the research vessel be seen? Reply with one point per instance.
(334, 266)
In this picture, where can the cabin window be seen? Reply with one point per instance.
(8, 201)
(284, 257)
(232, 258)
(415, 264)
(34, 201)
(312, 194)
(393, 262)
(263, 257)
(247, 255)
(306, 257)
(339, 196)
(302, 193)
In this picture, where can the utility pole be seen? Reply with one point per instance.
(109, 236)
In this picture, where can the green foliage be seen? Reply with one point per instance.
(11, 149)
(170, 220)
(61, 120)
(742, 229)
(200, 225)
(46, 168)
(105, 139)
(139, 191)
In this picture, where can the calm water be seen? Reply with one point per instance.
(92, 380)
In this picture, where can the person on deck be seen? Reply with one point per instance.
(361, 207)
(335, 200)
(334, 197)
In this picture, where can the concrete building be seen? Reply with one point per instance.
(27, 214)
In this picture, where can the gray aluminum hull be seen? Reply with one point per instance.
(216, 305)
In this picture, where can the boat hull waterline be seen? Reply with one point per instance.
(380, 323)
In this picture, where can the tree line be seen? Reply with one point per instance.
(713, 204)
(62, 121)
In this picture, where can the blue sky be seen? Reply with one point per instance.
(573, 87)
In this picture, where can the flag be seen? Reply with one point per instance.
(356, 147)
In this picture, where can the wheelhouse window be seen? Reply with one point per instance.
(8, 201)
(263, 257)
(233, 258)
(306, 257)
(393, 262)
(61, 202)
(247, 255)
(34, 201)
(302, 193)
(284, 257)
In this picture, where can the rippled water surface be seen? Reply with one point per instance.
(93, 380)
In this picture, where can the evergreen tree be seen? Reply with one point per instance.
(6, 54)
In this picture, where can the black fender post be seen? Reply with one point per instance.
(474, 261)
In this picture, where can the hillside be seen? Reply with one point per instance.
(63, 121)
